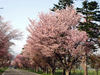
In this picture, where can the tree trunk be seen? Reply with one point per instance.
(96, 71)
(44, 71)
(64, 72)
(85, 70)
(84, 65)
(37, 69)
(52, 71)
(74, 71)
(67, 72)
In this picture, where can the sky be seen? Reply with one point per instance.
(18, 12)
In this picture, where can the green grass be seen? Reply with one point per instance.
(3, 69)
(40, 72)
(81, 72)
(46, 74)
(77, 72)
(59, 72)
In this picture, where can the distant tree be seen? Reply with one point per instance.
(94, 62)
(91, 14)
(62, 4)
(37, 57)
(7, 33)
(5, 60)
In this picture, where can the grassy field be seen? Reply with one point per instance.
(3, 69)
(77, 72)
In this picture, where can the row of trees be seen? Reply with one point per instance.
(62, 39)
(7, 33)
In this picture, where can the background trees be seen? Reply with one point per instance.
(7, 33)
(62, 4)
(91, 14)
(62, 37)
(94, 61)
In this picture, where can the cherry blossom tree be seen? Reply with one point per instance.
(21, 61)
(55, 36)
(35, 59)
(7, 33)
(6, 60)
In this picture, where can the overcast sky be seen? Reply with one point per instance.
(18, 12)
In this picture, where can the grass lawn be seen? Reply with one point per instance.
(3, 69)
(77, 72)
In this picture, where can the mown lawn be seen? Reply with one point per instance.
(77, 72)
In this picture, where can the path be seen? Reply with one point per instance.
(18, 72)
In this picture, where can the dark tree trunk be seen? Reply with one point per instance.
(64, 72)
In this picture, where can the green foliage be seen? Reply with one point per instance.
(62, 4)
(91, 13)
(90, 10)
(3, 69)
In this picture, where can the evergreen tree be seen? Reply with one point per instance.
(91, 13)
(62, 4)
